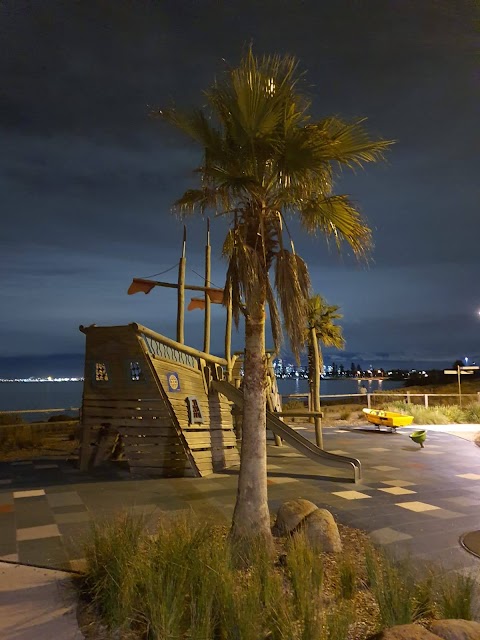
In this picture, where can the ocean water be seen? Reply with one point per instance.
(67, 395)
(40, 395)
(336, 387)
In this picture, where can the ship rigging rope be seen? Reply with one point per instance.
(202, 277)
(162, 272)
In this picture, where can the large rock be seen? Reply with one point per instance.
(404, 632)
(456, 629)
(291, 514)
(321, 531)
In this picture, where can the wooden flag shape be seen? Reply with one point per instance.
(215, 295)
(139, 284)
(196, 303)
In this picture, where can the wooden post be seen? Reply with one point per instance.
(206, 327)
(316, 387)
(426, 401)
(181, 292)
(228, 336)
(459, 373)
(408, 397)
(369, 400)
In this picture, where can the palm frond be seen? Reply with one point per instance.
(194, 124)
(290, 287)
(348, 143)
(321, 317)
(275, 322)
(303, 276)
(337, 217)
(232, 293)
(196, 200)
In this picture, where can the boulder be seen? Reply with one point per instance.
(321, 531)
(404, 632)
(291, 514)
(456, 629)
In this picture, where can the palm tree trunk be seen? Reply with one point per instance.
(311, 375)
(316, 387)
(251, 518)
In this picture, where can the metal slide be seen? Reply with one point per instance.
(293, 438)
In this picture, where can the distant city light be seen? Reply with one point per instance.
(49, 379)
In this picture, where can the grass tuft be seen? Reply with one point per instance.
(456, 597)
(347, 577)
(393, 586)
(113, 568)
(188, 583)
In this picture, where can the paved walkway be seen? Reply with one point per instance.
(36, 604)
(411, 500)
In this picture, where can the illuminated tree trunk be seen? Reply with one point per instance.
(316, 386)
(311, 373)
(251, 517)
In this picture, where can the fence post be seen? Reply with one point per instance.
(426, 401)
(368, 400)
(408, 397)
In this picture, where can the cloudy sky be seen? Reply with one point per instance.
(87, 179)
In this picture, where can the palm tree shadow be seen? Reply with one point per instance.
(376, 431)
(307, 476)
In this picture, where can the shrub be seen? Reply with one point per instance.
(294, 405)
(22, 436)
(393, 586)
(305, 572)
(446, 414)
(421, 415)
(454, 413)
(337, 622)
(423, 598)
(11, 418)
(61, 418)
(472, 414)
(456, 596)
(112, 568)
(186, 582)
(347, 577)
(345, 415)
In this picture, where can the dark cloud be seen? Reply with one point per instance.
(87, 179)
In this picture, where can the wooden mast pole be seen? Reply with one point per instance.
(228, 336)
(181, 291)
(206, 327)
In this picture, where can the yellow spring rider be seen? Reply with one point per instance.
(389, 419)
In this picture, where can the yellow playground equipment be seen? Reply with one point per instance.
(389, 419)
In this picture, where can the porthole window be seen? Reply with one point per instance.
(194, 411)
(101, 373)
(136, 373)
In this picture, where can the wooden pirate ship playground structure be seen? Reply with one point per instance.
(173, 407)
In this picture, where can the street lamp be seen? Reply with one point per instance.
(459, 371)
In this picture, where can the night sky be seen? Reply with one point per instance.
(87, 179)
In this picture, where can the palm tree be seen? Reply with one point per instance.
(264, 159)
(321, 330)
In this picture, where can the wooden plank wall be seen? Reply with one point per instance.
(212, 443)
(136, 409)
